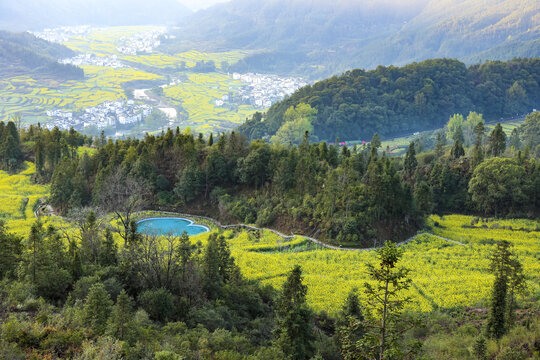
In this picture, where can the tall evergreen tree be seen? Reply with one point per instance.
(497, 141)
(294, 320)
(97, 308)
(386, 301)
(121, 316)
(508, 273)
(457, 150)
(410, 162)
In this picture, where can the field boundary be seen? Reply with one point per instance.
(288, 237)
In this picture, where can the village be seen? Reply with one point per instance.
(63, 34)
(111, 114)
(142, 42)
(91, 59)
(262, 90)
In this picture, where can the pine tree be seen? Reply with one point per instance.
(121, 315)
(108, 253)
(496, 325)
(294, 319)
(410, 163)
(350, 326)
(375, 141)
(211, 140)
(439, 145)
(386, 302)
(457, 150)
(212, 281)
(509, 280)
(480, 349)
(76, 262)
(497, 141)
(97, 308)
(423, 197)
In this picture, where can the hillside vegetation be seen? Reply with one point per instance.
(91, 283)
(420, 96)
(24, 54)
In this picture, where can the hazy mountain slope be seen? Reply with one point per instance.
(37, 14)
(467, 28)
(23, 53)
(285, 24)
(320, 38)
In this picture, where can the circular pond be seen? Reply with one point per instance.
(169, 226)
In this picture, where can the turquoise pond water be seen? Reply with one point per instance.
(169, 226)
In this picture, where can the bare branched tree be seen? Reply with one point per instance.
(123, 196)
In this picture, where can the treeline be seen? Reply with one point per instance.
(349, 196)
(395, 101)
(46, 148)
(341, 195)
(25, 53)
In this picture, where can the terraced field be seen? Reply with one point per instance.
(230, 57)
(197, 96)
(23, 95)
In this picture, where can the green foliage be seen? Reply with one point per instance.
(410, 162)
(529, 131)
(385, 302)
(509, 281)
(297, 122)
(509, 192)
(457, 150)
(393, 101)
(294, 325)
(158, 303)
(497, 141)
(12, 247)
(97, 308)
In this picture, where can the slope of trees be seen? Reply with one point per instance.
(23, 53)
(344, 196)
(394, 101)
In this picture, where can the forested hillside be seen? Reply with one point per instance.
(395, 101)
(340, 195)
(23, 53)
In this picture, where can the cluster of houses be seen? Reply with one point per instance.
(263, 90)
(110, 114)
(62, 34)
(143, 42)
(91, 59)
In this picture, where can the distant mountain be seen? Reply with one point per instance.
(24, 54)
(37, 14)
(394, 101)
(320, 38)
(471, 30)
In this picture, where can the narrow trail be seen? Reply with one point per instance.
(318, 242)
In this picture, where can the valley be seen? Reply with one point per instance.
(197, 90)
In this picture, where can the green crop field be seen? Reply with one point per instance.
(445, 274)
